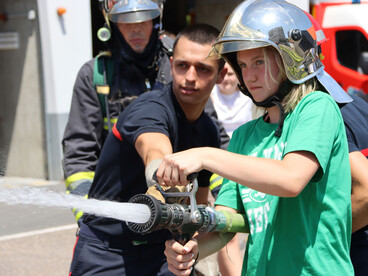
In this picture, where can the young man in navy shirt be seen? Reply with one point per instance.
(156, 124)
(355, 115)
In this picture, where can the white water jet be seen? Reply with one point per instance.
(132, 212)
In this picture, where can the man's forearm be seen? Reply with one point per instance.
(359, 206)
(359, 190)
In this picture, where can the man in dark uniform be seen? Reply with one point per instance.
(355, 115)
(154, 125)
(138, 61)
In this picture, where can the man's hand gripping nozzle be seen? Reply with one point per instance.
(177, 195)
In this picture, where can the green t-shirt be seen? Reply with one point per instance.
(310, 233)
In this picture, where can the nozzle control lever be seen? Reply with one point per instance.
(191, 193)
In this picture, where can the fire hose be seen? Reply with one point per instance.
(184, 220)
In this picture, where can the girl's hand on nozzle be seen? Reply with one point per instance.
(175, 168)
(181, 258)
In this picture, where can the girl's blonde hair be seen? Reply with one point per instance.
(298, 91)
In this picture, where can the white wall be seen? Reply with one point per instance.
(66, 44)
(21, 110)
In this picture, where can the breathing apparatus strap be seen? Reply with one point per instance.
(102, 77)
(167, 43)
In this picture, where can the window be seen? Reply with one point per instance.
(352, 50)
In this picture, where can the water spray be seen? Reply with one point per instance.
(38, 196)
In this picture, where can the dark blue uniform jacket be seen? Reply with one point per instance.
(355, 116)
(120, 171)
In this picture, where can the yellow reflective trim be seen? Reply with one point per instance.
(215, 181)
(216, 184)
(79, 176)
(112, 121)
(213, 177)
(78, 215)
(103, 89)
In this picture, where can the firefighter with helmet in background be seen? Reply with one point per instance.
(137, 62)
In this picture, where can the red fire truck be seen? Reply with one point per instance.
(345, 25)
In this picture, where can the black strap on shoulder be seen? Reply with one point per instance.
(167, 43)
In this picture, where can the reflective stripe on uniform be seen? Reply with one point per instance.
(106, 123)
(77, 184)
(78, 213)
(215, 181)
(79, 176)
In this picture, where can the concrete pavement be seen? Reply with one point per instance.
(40, 240)
(35, 240)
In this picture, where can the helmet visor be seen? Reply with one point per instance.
(218, 50)
(133, 17)
(236, 36)
(129, 11)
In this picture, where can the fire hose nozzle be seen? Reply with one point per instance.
(191, 193)
(178, 218)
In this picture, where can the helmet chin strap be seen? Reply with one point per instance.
(276, 99)
(278, 131)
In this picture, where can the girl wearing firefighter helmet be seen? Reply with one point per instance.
(287, 171)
